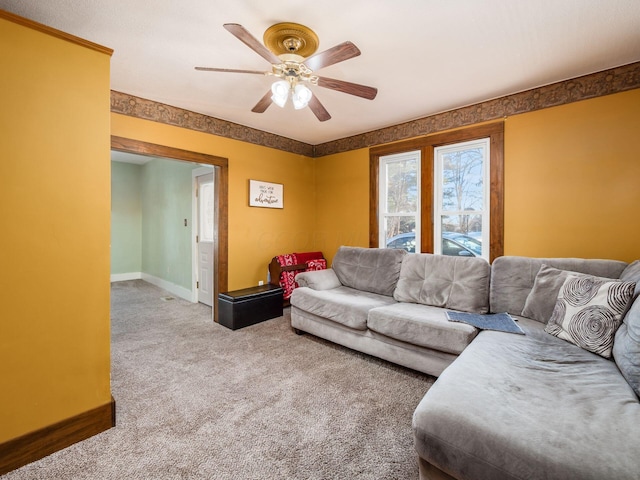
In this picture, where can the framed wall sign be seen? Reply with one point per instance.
(265, 194)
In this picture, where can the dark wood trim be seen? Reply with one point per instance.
(221, 165)
(400, 147)
(45, 441)
(25, 22)
(426, 220)
(123, 144)
(374, 193)
(496, 194)
(222, 252)
(494, 131)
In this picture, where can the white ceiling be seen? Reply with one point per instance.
(424, 56)
(125, 157)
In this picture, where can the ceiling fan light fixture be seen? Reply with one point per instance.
(280, 91)
(301, 96)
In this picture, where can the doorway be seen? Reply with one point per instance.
(219, 255)
(204, 234)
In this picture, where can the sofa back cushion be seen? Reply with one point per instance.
(626, 347)
(458, 283)
(542, 299)
(374, 270)
(632, 274)
(512, 278)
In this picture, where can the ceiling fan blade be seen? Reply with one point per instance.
(339, 53)
(263, 104)
(318, 109)
(229, 70)
(347, 87)
(250, 41)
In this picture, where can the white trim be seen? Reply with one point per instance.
(196, 172)
(177, 290)
(122, 277)
(382, 192)
(484, 144)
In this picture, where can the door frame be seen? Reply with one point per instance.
(221, 186)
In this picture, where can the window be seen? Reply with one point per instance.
(459, 189)
(461, 198)
(206, 211)
(400, 201)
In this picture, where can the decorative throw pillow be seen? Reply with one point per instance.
(318, 280)
(541, 300)
(588, 312)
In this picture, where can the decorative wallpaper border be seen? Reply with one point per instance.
(159, 112)
(615, 80)
(594, 85)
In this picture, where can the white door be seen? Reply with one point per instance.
(205, 238)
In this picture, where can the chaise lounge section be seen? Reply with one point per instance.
(532, 406)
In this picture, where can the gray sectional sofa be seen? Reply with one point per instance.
(535, 406)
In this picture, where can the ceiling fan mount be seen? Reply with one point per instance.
(290, 48)
(291, 38)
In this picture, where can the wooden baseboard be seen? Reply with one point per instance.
(36, 445)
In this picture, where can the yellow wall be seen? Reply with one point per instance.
(54, 246)
(571, 184)
(255, 234)
(572, 180)
(342, 183)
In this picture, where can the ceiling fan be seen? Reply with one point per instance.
(290, 48)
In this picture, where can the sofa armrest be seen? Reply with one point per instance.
(318, 279)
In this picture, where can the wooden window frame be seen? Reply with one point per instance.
(426, 145)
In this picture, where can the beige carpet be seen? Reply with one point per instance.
(196, 400)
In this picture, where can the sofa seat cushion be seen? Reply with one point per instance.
(421, 325)
(458, 283)
(343, 305)
(530, 407)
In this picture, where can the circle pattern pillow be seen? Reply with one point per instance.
(588, 312)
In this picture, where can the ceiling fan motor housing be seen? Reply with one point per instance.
(288, 38)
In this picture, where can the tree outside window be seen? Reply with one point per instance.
(400, 200)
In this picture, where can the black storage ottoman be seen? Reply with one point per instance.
(241, 308)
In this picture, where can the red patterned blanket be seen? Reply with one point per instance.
(310, 260)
